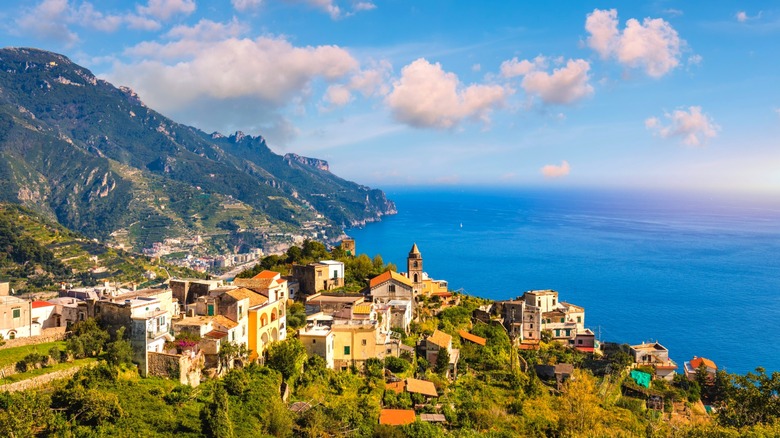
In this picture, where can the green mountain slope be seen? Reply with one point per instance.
(36, 253)
(95, 158)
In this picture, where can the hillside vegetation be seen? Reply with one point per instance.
(36, 253)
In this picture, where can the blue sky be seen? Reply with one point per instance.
(670, 95)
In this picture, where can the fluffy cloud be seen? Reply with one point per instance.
(51, 20)
(565, 85)
(652, 45)
(165, 9)
(741, 16)
(692, 126)
(513, 67)
(369, 82)
(207, 30)
(338, 95)
(364, 6)
(269, 69)
(48, 20)
(425, 96)
(555, 171)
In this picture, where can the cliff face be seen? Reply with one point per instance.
(98, 160)
(312, 162)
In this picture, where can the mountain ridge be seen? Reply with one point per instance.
(95, 158)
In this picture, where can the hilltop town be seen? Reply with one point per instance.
(413, 343)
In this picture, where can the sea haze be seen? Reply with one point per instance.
(700, 274)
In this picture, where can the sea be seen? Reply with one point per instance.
(699, 273)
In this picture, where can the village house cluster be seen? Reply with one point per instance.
(183, 329)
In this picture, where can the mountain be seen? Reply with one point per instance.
(92, 156)
(36, 252)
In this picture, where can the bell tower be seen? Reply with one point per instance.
(414, 268)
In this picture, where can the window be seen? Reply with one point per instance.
(319, 273)
(313, 341)
(532, 326)
(363, 342)
(579, 341)
(579, 319)
(568, 332)
(346, 350)
(557, 332)
(563, 319)
(553, 301)
(210, 310)
(391, 288)
(240, 311)
(17, 313)
(234, 337)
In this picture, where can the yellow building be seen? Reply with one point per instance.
(267, 293)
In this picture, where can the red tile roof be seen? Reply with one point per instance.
(397, 387)
(697, 361)
(269, 275)
(473, 338)
(396, 417)
(36, 304)
(390, 275)
(440, 338)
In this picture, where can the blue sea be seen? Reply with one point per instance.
(698, 273)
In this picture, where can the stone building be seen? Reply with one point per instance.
(321, 276)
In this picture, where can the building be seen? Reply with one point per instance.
(400, 314)
(692, 367)
(654, 355)
(319, 340)
(187, 291)
(16, 315)
(433, 344)
(414, 269)
(322, 276)
(389, 286)
(348, 246)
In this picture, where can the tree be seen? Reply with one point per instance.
(215, 416)
(120, 351)
(579, 405)
(287, 357)
(442, 361)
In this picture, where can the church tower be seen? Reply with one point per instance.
(414, 268)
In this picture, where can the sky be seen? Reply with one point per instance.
(657, 94)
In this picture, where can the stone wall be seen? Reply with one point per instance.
(48, 335)
(182, 367)
(37, 382)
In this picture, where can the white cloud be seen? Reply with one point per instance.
(364, 6)
(425, 96)
(207, 30)
(141, 23)
(476, 68)
(48, 20)
(514, 67)
(652, 45)
(555, 171)
(165, 9)
(565, 85)
(244, 5)
(695, 60)
(269, 69)
(338, 95)
(741, 16)
(693, 127)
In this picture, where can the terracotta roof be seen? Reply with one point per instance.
(423, 387)
(255, 299)
(440, 338)
(266, 275)
(215, 334)
(36, 304)
(473, 338)
(529, 345)
(390, 275)
(697, 361)
(362, 309)
(224, 321)
(397, 387)
(442, 294)
(396, 417)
